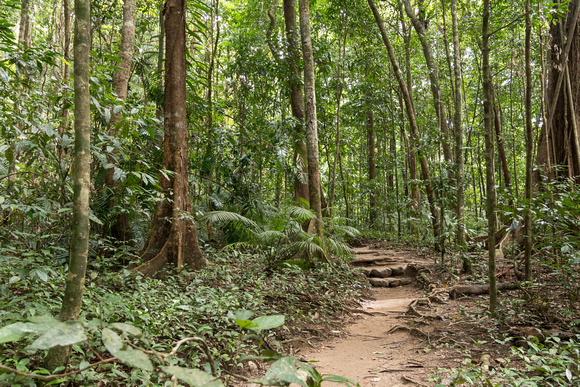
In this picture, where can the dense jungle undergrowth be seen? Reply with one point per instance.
(211, 307)
(252, 307)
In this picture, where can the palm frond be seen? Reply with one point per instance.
(216, 217)
(271, 237)
(339, 248)
(310, 247)
(301, 214)
(346, 230)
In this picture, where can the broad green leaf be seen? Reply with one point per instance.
(268, 322)
(128, 328)
(44, 322)
(245, 324)
(124, 353)
(36, 325)
(193, 377)
(63, 334)
(14, 332)
(241, 314)
(283, 372)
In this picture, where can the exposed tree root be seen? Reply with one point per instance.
(411, 330)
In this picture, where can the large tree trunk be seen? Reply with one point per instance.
(458, 126)
(489, 159)
(173, 238)
(425, 172)
(120, 226)
(311, 121)
(73, 293)
(559, 145)
(296, 102)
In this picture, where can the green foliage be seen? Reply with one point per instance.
(288, 370)
(553, 363)
(281, 234)
(120, 308)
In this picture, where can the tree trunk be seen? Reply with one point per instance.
(173, 237)
(339, 87)
(344, 187)
(489, 159)
(311, 121)
(120, 226)
(372, 170)
(415, 192)
(558, 144)
(24, 32)
(458, 126)
(296, 103)
(500, 146)
(73, 293)
(419, 25)
(529, 149)
(425, 172)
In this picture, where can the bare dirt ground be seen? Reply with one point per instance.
(405, 334)
(369, 351)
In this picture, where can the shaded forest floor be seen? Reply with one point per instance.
(416, 334)
(410, 332)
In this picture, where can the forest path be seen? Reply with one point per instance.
(365, 351)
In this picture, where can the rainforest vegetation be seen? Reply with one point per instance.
(176, 175)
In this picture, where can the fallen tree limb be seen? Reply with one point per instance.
(462, 290)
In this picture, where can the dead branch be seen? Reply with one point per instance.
(461, 290)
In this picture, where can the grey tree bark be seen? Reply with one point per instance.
(73, 293)
(458, 127)
(529, 149)
(419, 25)
(373, 213)
(310, 115)
(120, 226)
(296, 102)
(489, 159)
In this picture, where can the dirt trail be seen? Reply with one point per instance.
(365, 352)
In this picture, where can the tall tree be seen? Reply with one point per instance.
(71, 301)
(296, 102)
(24, 31)
(120, 227)
(489, 158)
(173, 237)
(559, 141)
(373, 212)
(419, 24)
(414, 128)
(314, 189)
(458, 127)
(529, 149)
